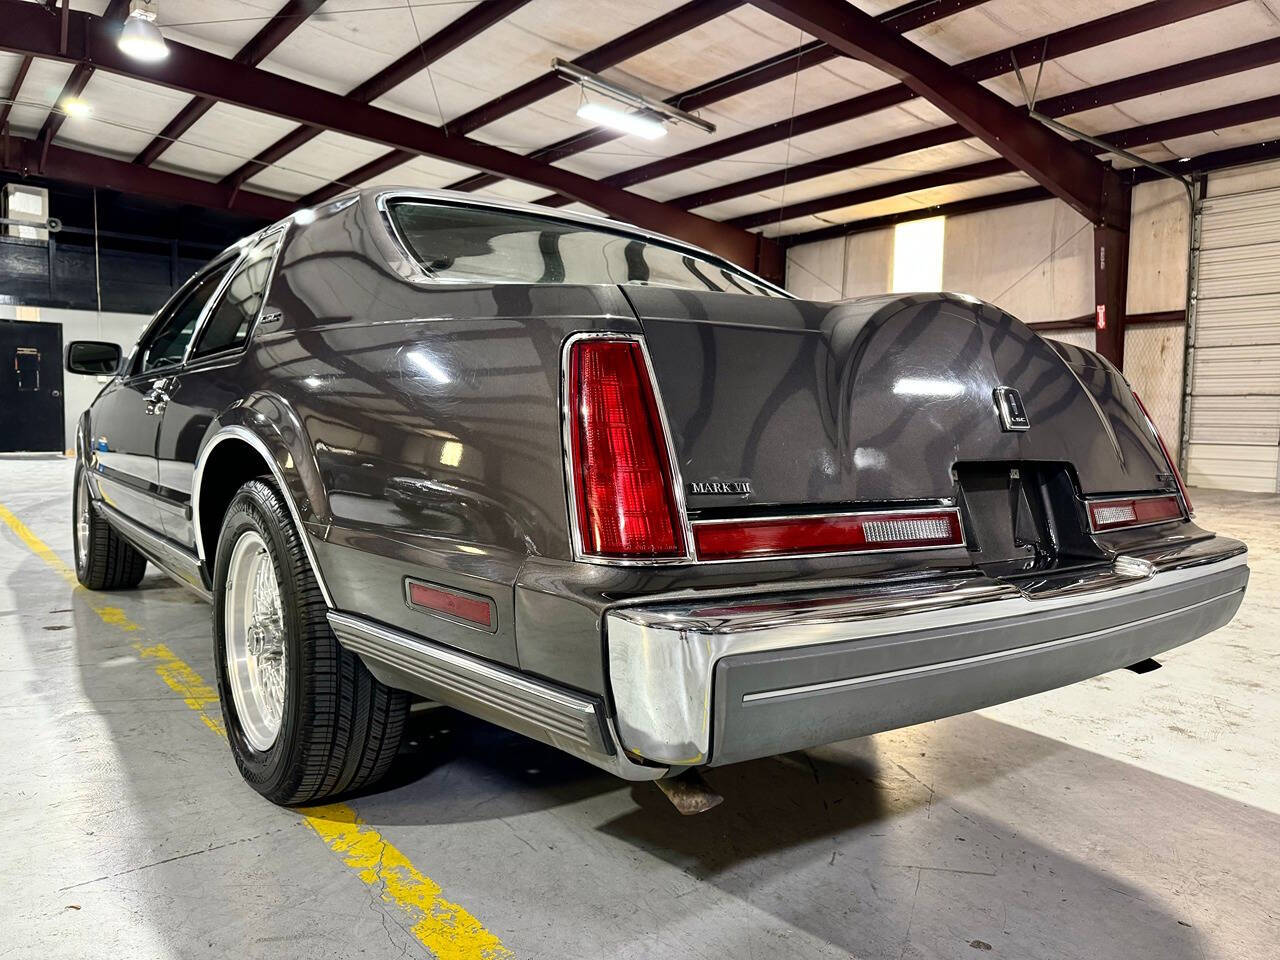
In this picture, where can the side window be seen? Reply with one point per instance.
(231, 319)
(169, 341)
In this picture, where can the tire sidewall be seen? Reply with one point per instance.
(253, 509)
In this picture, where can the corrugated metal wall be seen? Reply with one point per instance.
(1234, 435)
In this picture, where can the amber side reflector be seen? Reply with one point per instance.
(466, 607)
(843, 533)
(1132, 512)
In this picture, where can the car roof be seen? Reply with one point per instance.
(381, 196)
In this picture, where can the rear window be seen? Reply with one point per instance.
(470, 244)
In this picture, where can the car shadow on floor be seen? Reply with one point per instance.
(937, 841)
(850, 844)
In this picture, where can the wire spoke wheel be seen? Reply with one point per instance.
(82, 523)
(257, 659)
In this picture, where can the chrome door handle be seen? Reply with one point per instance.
(156, 398)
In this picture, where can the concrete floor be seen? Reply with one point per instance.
(1127, 817)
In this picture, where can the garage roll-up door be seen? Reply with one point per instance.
(1234, 425)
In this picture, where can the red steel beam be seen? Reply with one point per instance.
(957, 208)
(32, 30)
(1251, 111)
(1061, 43)
(909, 16)
(14, 87)
(92, 170)
(80, 75)
(1210, 67)
(1206, 121)
(468, 26)
(1110, 288)
(1219, 118)
(681, 20)
(642, 38)
(879, 191)
(291, 16)
(1087, 185)
(739, 81)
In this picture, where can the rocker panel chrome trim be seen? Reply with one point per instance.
(553, 715)
(179, 564)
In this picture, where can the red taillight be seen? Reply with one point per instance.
(622, 478)
(1116, 512)
(1177, 474)
(467, 607)
(845, 533)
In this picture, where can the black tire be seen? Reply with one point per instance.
(107, 561)
(339, 728)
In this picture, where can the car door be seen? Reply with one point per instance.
(125, 418)
(208, 382)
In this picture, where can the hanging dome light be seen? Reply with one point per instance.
(141, 38)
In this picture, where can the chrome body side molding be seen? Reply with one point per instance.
(181, 565)
(255, 441)
(563, 718)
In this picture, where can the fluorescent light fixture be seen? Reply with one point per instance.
(141, 38)
(647, 124)
(623, 122)
(75, 107)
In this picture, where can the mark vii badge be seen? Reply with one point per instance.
(720, 488)
(1013, 415)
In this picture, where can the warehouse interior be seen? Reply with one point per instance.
(1107, 171)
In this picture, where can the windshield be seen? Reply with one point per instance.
(475, 244)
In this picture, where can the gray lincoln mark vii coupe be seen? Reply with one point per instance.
(616, 494)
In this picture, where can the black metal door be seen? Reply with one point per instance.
(30, 386)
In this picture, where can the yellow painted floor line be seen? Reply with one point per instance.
(446, 929)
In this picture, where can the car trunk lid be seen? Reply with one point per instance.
(875, 401)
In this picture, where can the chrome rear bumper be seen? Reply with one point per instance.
(717, 681)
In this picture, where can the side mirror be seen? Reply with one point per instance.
(93, 357)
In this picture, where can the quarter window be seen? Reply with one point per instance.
(229, 324)
(169, 341)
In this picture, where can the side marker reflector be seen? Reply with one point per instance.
(467, 608)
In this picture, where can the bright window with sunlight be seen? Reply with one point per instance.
(917, 255)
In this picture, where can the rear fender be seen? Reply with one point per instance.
(265, 423)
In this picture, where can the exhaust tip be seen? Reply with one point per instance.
(689, 793)
(1145, 666)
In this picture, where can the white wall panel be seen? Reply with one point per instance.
(868, 263)
(1083, 337)
(860, 265)
(815, 271)
(1034, 260)
(1158, 248)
